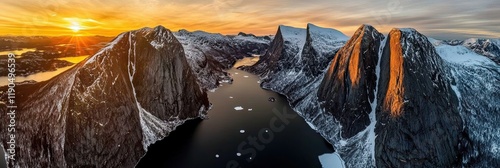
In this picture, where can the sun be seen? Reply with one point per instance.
(75, 26)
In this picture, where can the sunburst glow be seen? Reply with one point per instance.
(75, 26)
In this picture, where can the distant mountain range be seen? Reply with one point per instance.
(386, 101)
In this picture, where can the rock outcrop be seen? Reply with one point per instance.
(116, 103)
(418, 122)
(348, 88)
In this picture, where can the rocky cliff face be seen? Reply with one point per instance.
(348, 87)
(390, 102)
(474, 80)
(114, 104)
(210, 55)
(296, 59)
(418, 122)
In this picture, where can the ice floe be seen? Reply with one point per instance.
(331, 160)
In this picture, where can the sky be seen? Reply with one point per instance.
(444, 19)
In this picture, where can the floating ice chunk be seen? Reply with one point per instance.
(331, 160)
(242, 131)
(250, 109)
(267, 130)
(217, 155)
(238, 108)
(230, 97)
(238, 154)
(250, 158)
(245, 76)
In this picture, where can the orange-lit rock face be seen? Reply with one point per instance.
(394, 99)
(353, 59)
(349, 85)
(354, 67)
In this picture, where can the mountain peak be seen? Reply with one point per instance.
(320, 32)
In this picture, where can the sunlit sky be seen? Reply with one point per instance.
(446, 19)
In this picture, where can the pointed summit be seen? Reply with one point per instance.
(416, 105)
(349, 84)
(117, 102)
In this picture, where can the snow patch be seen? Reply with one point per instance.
(331, 160)
(296, 36)
(6, 157)
(238, 108)
(153, 128)
(311, 125)
(461, 55)
(156, 44)
(109, 46)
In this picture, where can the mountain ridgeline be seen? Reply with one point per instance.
(418, 122)
(401, 100)
(388, 101)
(107, 110)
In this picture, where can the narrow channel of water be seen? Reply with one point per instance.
(18, 52)
(244, 129)
(43, 76)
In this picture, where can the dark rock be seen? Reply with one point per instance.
(114, 104)
(210, 55)
(348, 87)
(418, 123)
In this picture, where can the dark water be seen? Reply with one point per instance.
(275, 136)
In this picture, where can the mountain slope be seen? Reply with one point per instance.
(210, 55)
(474, 78)
(486, 47)
(417, 107)
(348, 87)
(114, 104)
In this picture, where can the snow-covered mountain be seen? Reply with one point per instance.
(116, 103)
(404, 100)
(210, 54)
(486, 47)
(391, 102)
(475, 81)
(296, 59)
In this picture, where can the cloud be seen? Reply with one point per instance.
(444, 19)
